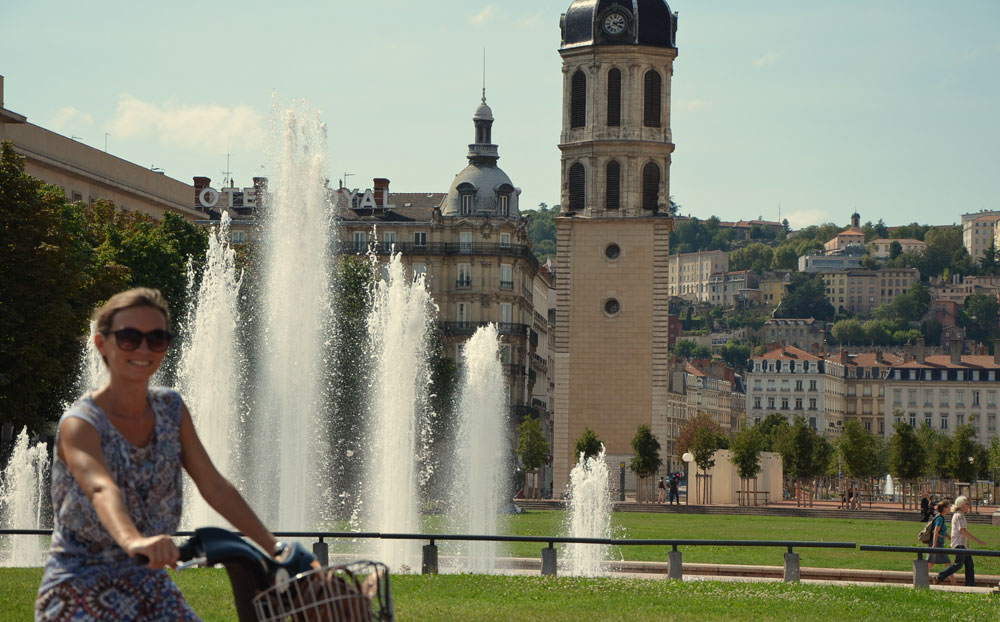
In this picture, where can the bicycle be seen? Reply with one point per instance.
(293, 589)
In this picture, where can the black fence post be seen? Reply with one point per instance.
(322, 552)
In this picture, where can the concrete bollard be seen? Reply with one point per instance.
(549, 561)
(429, 563)
(996, 518)
(322, 552)
(920, 575)
(791, 567)
(675, 565)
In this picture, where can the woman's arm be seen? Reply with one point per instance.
(80, 448)
(217, 490)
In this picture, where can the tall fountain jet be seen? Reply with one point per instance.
(290, 429)
(483, 455)
(589, 514)
(211, 371)
(22, 495)
(398, 328)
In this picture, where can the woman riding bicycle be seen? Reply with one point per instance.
(116, 480)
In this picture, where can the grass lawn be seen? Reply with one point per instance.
(840, 528)
(553, 599)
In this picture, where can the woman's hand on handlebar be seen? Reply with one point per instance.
(160, 551)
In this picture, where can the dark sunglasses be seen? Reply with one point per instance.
(128, 339)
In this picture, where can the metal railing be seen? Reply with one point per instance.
(467, 328)
(517, 251)
(429, 563)
(921, 578)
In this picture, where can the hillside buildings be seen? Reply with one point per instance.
(789, 381)
(690, 273)
(979, 231)
(863, 291)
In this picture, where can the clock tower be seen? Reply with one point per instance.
(614, 228)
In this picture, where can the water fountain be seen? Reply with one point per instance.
(22, 499)
(210, 374)
(398, 327)
(289, 429)
(482, 460)
(589, 515)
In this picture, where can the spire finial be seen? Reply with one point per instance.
(484, 75)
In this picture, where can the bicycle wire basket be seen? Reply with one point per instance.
(354, 592)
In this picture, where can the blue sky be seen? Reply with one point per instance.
(887, 107)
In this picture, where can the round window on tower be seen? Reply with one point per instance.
(612, 252)
(612, 307)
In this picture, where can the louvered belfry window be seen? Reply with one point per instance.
(577, 187)
(653, 84)
(578, 100)
(650, 186)
(613, 182)
(614, 98)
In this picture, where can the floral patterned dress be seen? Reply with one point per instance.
(87, 575)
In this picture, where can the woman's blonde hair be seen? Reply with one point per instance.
(959, 503)
(137, 297)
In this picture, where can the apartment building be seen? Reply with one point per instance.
(855, 389)
(946, 391)
(773, 288)
(690, 273)
(826, 263)
(732, 288)
(882, 247)
(863, 291)
(979, 231)
(851, 236)
(789, 381)
(804, 333)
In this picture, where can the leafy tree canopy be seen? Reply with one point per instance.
(532, 448)
(588, 444)
(646, 458)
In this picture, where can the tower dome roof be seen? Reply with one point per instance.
(483, 112)
(617, 22)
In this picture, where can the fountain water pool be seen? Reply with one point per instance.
(22, 499)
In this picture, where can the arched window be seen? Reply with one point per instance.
(653, 84)
(578, 100)
(614, 98)
(577, 187)
(650, 186)
(612, 186)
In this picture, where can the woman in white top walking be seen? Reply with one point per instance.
(960, 537)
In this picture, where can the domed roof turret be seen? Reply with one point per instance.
(617, 22)
(482, 188)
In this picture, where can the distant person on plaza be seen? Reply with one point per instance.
(960, 537)
(925, 509)
(662, 491)
(674, 494)
(116, 481)
(940, 531)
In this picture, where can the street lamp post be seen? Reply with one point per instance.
(688, 458)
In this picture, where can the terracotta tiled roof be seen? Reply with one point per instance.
(943, 361)
(787, 353)
(691, 369)
(867, 359)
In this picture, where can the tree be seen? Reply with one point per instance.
(532, 448)
(804, 453)
(772, 429)
(746, 448)
(756, 257)
(876, 333)
(848, 332)
(785, 258)
(906, 454)
(989, 263)
(858, 449)
(542, 231)
(805, 298)
(685, 348)
(704, 444)
(646, 454)
(895, 249)
(588, 444)
(736, 354)
(962, 454)
(685, 440)
(979, 316)
(936, 448)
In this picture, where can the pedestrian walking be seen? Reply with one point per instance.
(940, 531)
(674, 495)
(960, 537)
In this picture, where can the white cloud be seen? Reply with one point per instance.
(480, 19)
(697, 105)
(806, 217)
(529, 23)
(766, 59)
(70, 118)
(206, 127)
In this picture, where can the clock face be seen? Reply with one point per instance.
(614, 23)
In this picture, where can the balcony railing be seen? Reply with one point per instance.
(506, 284)
(517, 251)
(539, 363)
(463, 283)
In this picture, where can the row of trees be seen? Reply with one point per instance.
(60, 259)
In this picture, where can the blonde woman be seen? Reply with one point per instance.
(960, 537)
(116, 481)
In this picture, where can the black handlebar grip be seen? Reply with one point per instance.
(141, 560)
(188, 551)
